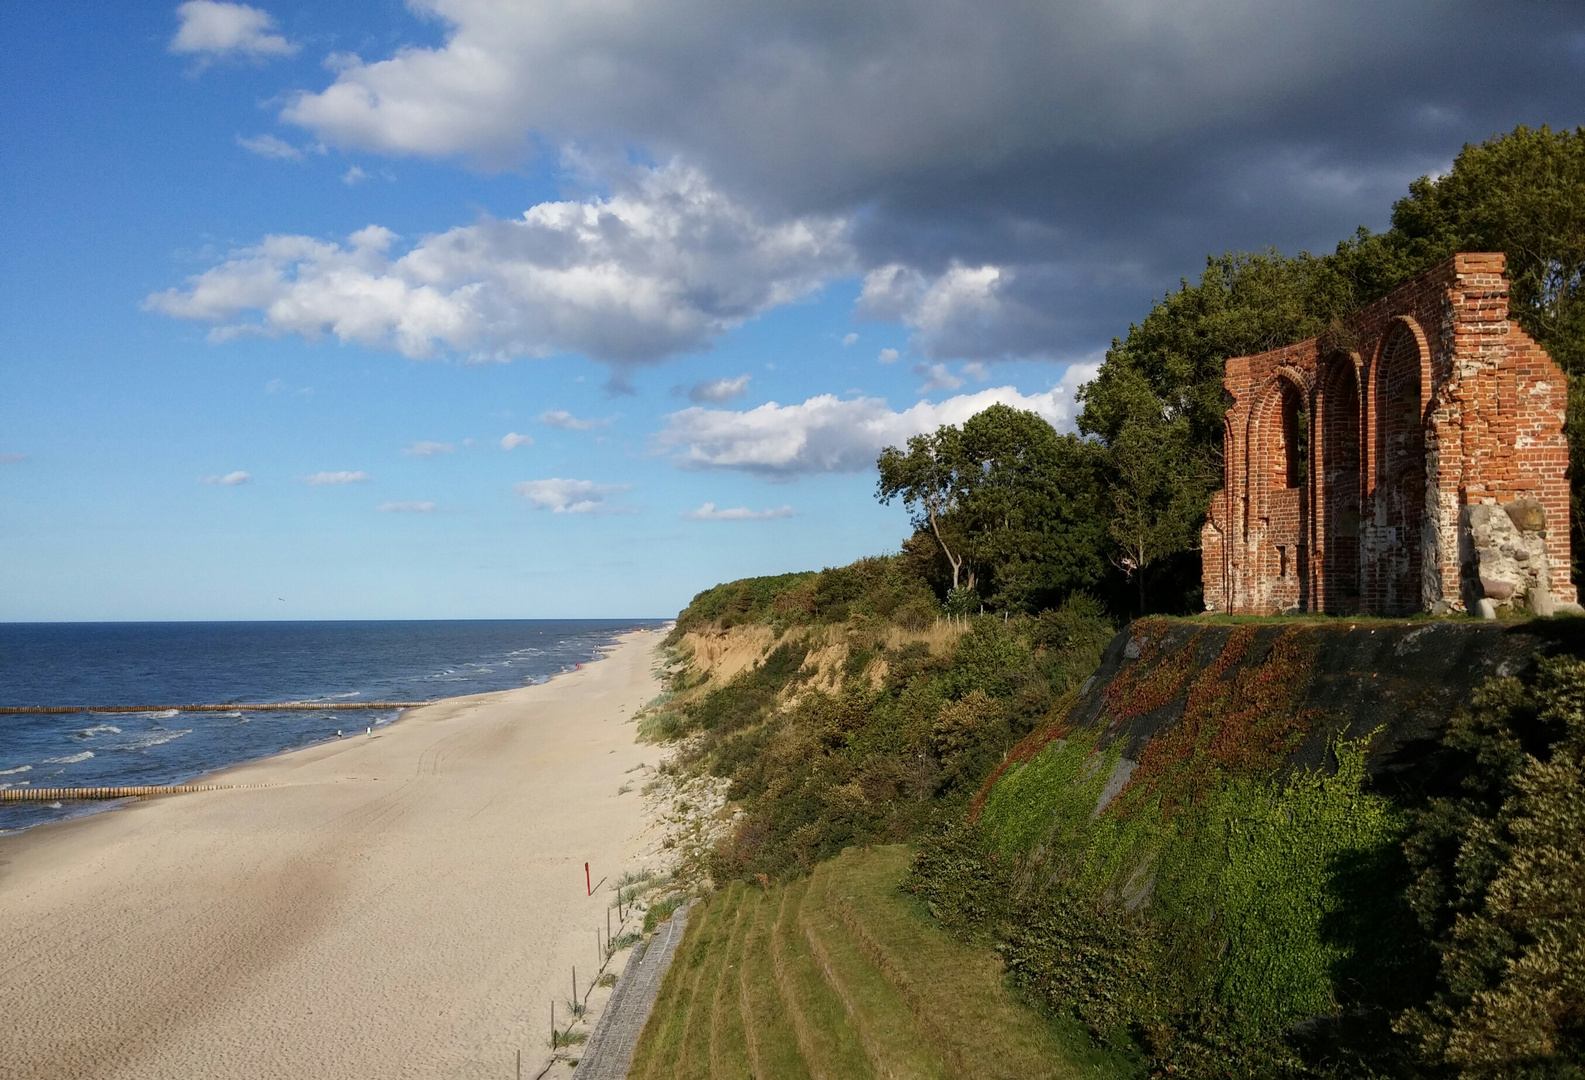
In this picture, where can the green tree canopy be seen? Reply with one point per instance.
(1014, 507)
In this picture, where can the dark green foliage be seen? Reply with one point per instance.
(735, 602)
(1500, 884)
(1294, 923)
(1013, 508)
(964, 885)
(1198, 940)
(886, 589)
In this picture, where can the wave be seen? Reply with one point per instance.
(161, 714)
(97, 729)
(153, 738)
(69, 759)
(19, 768)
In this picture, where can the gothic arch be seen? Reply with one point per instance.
(1276, 445)
(1339, 460)
(1399, 390)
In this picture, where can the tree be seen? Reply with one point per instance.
(1033, 513)
(1159, 474)
(1014, 507)
(930, 480)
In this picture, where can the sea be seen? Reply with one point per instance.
(173, 664)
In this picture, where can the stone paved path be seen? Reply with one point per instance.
(609, 1050)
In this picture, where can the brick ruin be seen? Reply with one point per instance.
(1410, 459)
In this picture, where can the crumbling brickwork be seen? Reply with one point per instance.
(1410, 459)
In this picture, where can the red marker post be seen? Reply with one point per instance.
(589, 888)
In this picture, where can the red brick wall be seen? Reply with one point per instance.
(1427, 400)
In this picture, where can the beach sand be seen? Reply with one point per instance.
(406, 905)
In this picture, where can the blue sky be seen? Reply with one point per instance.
(273, 304)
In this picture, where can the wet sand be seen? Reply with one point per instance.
(399, 906)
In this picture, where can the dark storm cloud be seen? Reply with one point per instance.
(1025, 176)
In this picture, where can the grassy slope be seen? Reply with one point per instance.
(842, 975)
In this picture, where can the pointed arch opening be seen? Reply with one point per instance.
(1290, 464)
(1338, 421)
(1399, 496)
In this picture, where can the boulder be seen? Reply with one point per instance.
(1496, 588)
(1527, 515)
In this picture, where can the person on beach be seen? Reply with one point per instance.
(371, 731)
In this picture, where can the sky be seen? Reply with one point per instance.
(516, 309)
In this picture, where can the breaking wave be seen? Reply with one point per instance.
(97, 729)
(153, 738)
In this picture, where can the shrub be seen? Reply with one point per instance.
(1501, 885)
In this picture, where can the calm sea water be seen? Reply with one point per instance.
(201, 663)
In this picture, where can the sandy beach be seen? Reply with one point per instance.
(399, 906)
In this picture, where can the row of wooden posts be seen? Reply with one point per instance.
(269, 706)
(64, 794)
(604, 951)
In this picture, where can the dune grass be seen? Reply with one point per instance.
(843, 975)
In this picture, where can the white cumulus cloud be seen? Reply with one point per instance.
(211, 28)
(718, 390)
(353, 176)
(512, 440)
(665, 264)
(428, 449)
(561, 496)
(708, 512)
(564, 420)
(406, 508)
(829, 434)
(936, 377)
(230, 479)
(956, 313)
(269, 146)
(887, 356)
(343, 477)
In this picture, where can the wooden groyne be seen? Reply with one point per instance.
(61, 794)
(272, 706)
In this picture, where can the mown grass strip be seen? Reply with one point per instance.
(827, 1039)
(772, 1047)
(888, 1031)
(956, 993)
(728, 1049)
(659, 1042)
(692, 1061)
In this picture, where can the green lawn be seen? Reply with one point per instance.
(843, 976)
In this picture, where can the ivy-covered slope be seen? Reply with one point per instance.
(1204, 857)
(1267, 694)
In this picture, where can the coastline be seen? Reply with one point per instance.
(407, 904)
(219, 774)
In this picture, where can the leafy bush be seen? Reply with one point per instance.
(884, 589)
(1500, 884)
